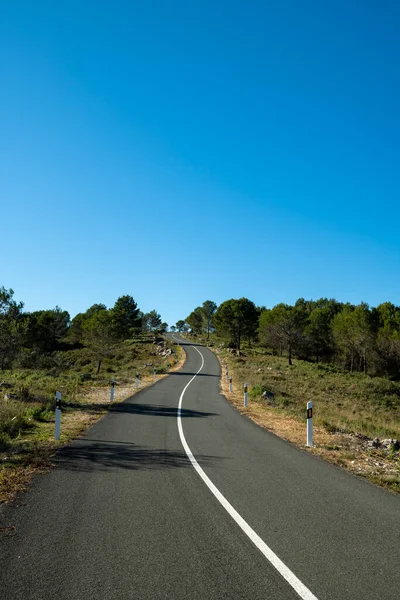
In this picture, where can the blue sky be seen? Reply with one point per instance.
(180, 151)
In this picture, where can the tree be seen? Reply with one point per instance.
(94, 309)
(100, 336)
(195, 320)
(173, 328)
(126, 317)
(386, 318)
(151, 321)
(285, 325)
(234, 319)
(75, 331)
(208, 309)
(45, 329)
(11, 327)
(181, 326)
(353, 334)
(319, 332)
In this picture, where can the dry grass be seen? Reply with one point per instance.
(349, 410)
(31, 451)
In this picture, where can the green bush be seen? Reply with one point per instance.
(42, 414)
(85, 377)
(13, 423)
(282, 401)
(5, 441)
(257, 390)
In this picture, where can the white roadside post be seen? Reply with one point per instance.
(57, 431)
(309, 424)
(230, 384)
(112, 389)
(137, 381)
(154, 373)
(226, 373)
(245, 395)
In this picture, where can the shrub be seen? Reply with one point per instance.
(85, 377)
(5, 441)
(42, 414)
(257, 390)
(282, 402)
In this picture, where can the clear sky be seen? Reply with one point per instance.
(182, 151)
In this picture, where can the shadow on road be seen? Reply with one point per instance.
(155, 410)
(186, 343)
(93, 455)
(141, 409)
(195, 373)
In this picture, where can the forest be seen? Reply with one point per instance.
(351, 337)
(34, 340)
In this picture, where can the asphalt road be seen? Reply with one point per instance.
(125, 515)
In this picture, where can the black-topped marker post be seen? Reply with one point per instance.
(309, 424)
(112, 389)
(57, 430)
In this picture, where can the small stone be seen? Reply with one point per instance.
(375, 443)
(391, 443)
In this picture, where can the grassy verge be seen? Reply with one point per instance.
(27, 408)
(350, 411)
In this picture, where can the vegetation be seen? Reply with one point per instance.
(45, 351)
(352, 338)
(344, 358)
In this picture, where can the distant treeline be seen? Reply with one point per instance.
(27, 337)
(356, 338)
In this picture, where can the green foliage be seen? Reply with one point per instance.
(5, 441)
(195, 320)
(11, 327)
(126, 317)
(353, 333)
(257, 390)
(44, 329)
(283, 327)
(235, 320)
(208, 310)
(181, 326)
(151, 321)
(319, 332)
(99, 334)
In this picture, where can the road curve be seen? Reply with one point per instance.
(125, 515)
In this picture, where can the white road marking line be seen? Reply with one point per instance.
(280, 566)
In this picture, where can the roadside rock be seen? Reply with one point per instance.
(390, 443)
(375, 443)
(268, 397)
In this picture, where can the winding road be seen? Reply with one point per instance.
(175, 495)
